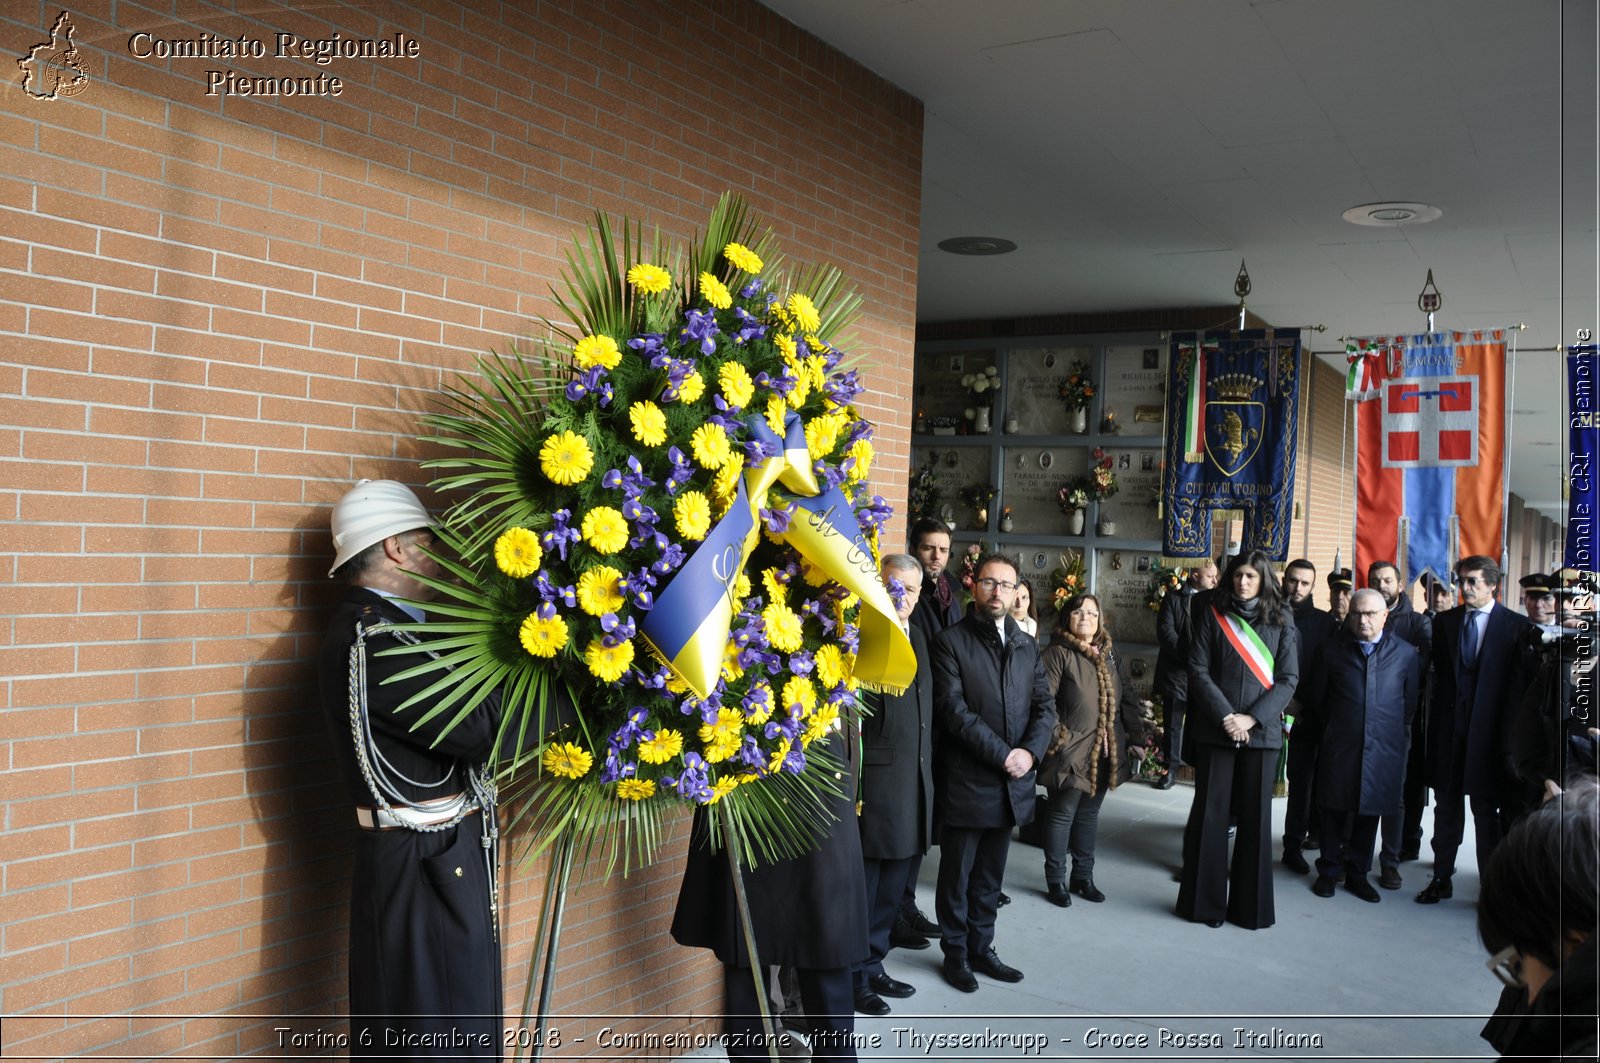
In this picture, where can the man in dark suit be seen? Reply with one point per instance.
(1172, 663)
(1402, 827)
(424, 852)
(1480, 672)
(993, 704)
(896, 793)
(1314, 627)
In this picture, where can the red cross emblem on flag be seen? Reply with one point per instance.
(1430, 422)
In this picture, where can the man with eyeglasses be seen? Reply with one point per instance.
(1480, 675)
(1361, 695)
(1401, 830)
(993, 704)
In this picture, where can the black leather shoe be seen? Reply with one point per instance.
(1166, 781)
(1312, 843)
(1059, 895)
(1085, 888)
(918, 922)
(1214, 923)
(1323, 887)
(959, 974)
(1410, 852)
(1294, 861)
(1437, 889)
(1002, 900)
(1389, 878)
(901, 936)
(885, 986)
(992, 965)
(870, 1003)
(1358, 884)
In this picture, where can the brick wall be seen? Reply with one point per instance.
(217, 311)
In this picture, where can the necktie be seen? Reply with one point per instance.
(1469, 640)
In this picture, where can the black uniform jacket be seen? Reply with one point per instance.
(897, 766)
(1172, 629)
(1220, 683)
(1363, 707)
(929, 616)
(989, 698)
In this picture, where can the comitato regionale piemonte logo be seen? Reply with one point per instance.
(54, 68)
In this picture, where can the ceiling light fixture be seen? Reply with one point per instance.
(1392, 214)
(977, 245)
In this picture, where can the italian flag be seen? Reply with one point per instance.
(1248, 645)
(1194, 443)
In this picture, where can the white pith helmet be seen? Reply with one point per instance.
(370, 512)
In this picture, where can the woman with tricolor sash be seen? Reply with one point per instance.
(1242, 672)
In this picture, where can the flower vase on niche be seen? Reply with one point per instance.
(1105, 527)
(980, 424)
(1078, 421)
(1075, 522)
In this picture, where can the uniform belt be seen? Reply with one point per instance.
(423, 814)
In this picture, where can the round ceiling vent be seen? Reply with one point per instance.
(977, 245)
(1392, 214)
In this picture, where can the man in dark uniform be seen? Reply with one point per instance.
(1402, 826)
(1480, 672)
(1314, 628)
(994, 706)
(1539, 596)
(1172, 662)
(896, 794)
(1341, 584)
(1360, 696)
(424, 950)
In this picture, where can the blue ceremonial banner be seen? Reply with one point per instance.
(1582, 363)
(1233, 417)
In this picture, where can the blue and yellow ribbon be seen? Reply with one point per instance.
(689, 625)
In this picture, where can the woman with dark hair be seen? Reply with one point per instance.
(1024, 610)
(1538, 910)
(1088, 754)
(1242, 672)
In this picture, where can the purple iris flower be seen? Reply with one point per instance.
(749, 290)
(757, 451)
(752, 755)
(750, 328)
(701, 327)
(801, 663)
(559, 534)
(648, 345)
(850, 638)
(669, 560)
(757, 701)
(896, 589)
(656, 680)
(551, 594)
(692, 783)
(842, 388)
(778, 520)
(829, 475)
(795, 762)
(616, 631)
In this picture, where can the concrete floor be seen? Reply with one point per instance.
(1127, 979)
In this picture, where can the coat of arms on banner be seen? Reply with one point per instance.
(1233, 404)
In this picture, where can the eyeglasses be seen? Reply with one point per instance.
(996, 584)
(1370, 614)
(1506, 965)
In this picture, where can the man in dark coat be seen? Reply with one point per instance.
(1341, 584)
(1361, 695)
(1314, 627)
(1402, 828)
(1172, 662)
(424, 949)
(1480, 672)
(896, 794)
(993, 704)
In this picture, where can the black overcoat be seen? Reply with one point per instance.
(989, 698)
(928, 616)
(421, 936)
(1172, 630)
(897, 766)
(1221, 684)
(1469, 747)
(810, 911)
(1363, 708)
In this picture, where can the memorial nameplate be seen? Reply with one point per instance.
(956, 467)
(1029, 480)
(1135, 389)
(1033, 385)
(1133, 507)
(1122, 582)
(938, 382)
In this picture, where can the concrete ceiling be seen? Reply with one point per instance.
(1137, 150)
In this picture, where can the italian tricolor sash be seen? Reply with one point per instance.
(1248, 645)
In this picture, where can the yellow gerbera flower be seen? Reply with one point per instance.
(663, 747)
(649, 423)
(786, 347)
(567, 760)
(799, 695)
(737, 388)
(822, 435)
(715, 292)
(600, 591)
(693, 386)
(805, 312)
(820, 723)
(724, 485)
(566, 458)
(720, 739)
(605, 529)
(649, 279)
(710, 446)
(597, 350)
(760, 698)
(784, 628)
(543, 636)
(730, 663)
(862, 451)
(517, 553)
(801, 391)
(742, 258)
(775, 415)
(722, 788)
(830, 665)
(780, 752)
(692, 512)
(741, 586)
(608, 663)
(636, 789)
(777, 590)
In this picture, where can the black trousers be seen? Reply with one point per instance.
(1352, 853)
(830, 1014)
(1229, 780)
(972, 864)
(1450, 825)
(886, 885)
(1301, 813)
(1173, 711)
